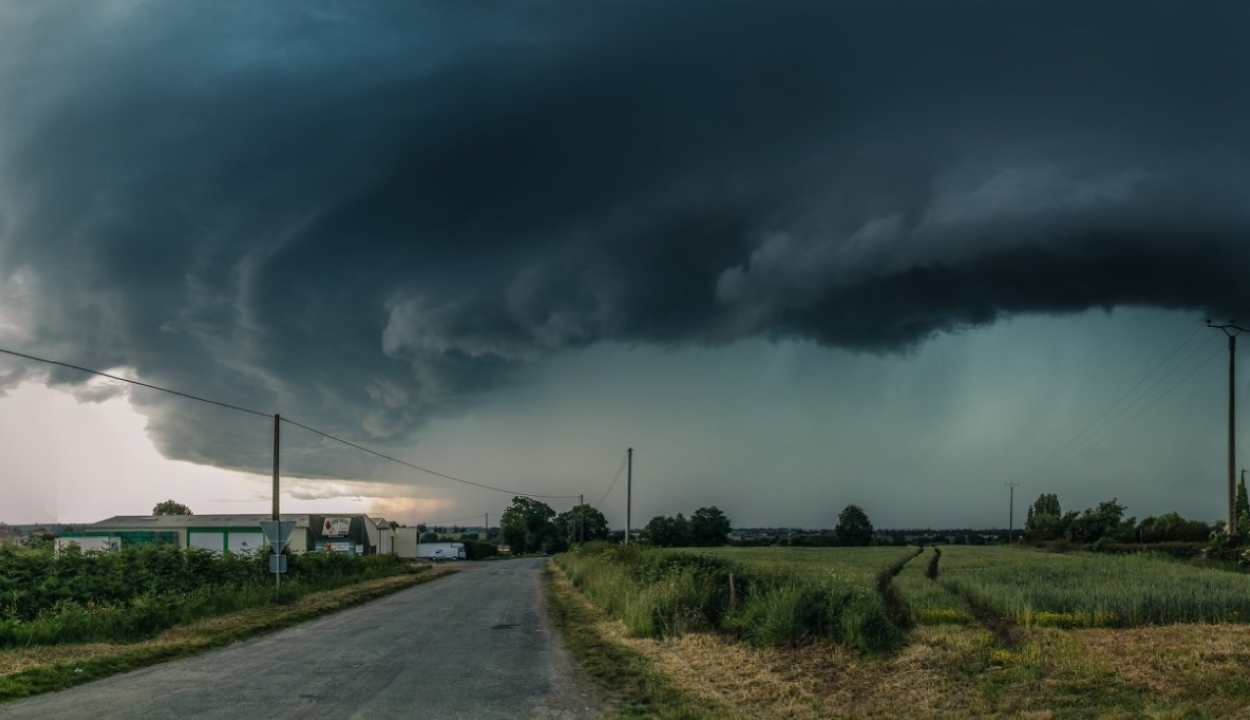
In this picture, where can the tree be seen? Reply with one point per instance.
(582, 522)
(1105, 521)
(527, 525)
(669, 531)
(169, 507)
(1242, 506)
(853, 527)
(709, 527)
(1045, 519)
(1171, 527)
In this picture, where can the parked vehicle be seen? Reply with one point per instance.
(440, 551)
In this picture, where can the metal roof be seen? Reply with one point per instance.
(169, 522)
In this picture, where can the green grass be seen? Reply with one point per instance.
(927, 601)
(857, 566)
(641, 690)
(1093, 590)
(659, 593)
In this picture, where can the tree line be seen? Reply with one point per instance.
(1106, 523)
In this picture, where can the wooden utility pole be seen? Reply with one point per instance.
(486, 525)
(277, 419)
(581, 518)
(1232, 330)
(1011, 509)
(629, 489)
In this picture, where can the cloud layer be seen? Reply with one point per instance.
(366, 216)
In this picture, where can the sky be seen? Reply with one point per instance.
(797, 255)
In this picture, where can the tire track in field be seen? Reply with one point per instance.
(1006, 632)
(894, 605)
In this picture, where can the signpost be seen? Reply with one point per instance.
(277, 532)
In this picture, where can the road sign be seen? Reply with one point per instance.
(277, 532)
(277, 563)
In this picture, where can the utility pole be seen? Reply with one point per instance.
(629, 489)
(277, 419)
(1011, 509)
(581, 519)
(1232, 330)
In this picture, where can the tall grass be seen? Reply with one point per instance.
(661, 593)
(136, 592)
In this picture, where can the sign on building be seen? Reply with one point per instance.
(336, 526)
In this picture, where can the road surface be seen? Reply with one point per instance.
(477, 644)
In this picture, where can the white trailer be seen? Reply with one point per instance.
(441, 551)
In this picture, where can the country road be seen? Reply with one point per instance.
(477, 644)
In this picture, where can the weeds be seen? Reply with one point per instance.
(661, 593)
(134, 593)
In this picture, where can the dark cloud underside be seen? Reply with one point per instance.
(362, 216)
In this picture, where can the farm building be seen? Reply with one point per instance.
(356, 534)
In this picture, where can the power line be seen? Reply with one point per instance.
(615, 478)
(267, 415)
(1154, 402)
(1075, 443)
(454, 522)
(136, 382)
(428, 471)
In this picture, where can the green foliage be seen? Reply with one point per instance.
(709, 527)
(1171, 527)
(1032, 588)
(581, 522)
(478, 550)
(169, 507)
(1105, 521)
(669, 531)
(853, 527)
(137, 591)
(1045, 520)
(661, 593)
(1242, 506)
(527, 525)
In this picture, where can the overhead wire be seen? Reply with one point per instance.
(1168, 391)
(426, 470)
(1075, 444)
(137, 382)
(615, 478)
(258, 413)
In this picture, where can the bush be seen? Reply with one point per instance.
(659, 593)
(138, 591)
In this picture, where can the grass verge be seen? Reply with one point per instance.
(39, 669)
(640, 689)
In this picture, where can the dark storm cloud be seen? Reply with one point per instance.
(361, 216)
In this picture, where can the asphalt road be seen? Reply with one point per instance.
(477, 644)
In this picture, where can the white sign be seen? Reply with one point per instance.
(336, 526)
(277, 533)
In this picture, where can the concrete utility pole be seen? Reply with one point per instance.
(1011, 509)
(277, 420)
(629, 489)
(486, 525)
(1232, 330)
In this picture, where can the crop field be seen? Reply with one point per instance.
(857, 566)
(1027, 587)
(957, 631)
(1092, 590)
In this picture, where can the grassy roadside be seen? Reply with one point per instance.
(39, 669)
(639, 687)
